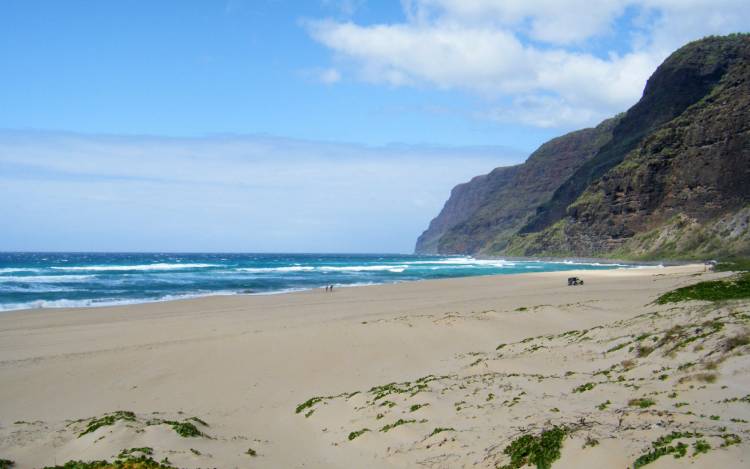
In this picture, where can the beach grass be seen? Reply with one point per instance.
(737, 287)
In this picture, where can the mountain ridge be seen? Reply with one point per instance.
(661, 179)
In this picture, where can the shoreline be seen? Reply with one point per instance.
(192, 296)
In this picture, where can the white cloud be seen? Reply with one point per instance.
(536, 54)
(330, 76)
(67, 191)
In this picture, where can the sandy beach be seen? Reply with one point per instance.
(473, 363)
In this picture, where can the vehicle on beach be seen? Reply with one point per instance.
(573, 281)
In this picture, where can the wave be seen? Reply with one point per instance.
(35, 288)
(117, 268)
(325, 268)
(11, 270)
(261, 270)
(363, 268)
(87, 303)
(466, 262)
(44, 278)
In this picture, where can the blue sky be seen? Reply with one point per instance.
(124, 125)
(186, 68)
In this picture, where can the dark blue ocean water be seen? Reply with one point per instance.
(34, 280)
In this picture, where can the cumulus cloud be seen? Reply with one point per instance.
(330, 76)
(67, 191)
(540, 55)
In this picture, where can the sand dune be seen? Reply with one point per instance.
(437, 374)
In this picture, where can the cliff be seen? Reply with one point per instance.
(485, 212)
(670, 182)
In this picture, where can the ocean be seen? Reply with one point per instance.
(49, 280)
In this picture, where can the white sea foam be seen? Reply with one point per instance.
(466, 262)
(361, 268)
(35, 288)
(262, 270)
(44, 278)
(591, 263)
(86, 303)
(325, 268)
(10, 270)
(115, 268)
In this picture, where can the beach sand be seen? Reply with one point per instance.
(243, 365)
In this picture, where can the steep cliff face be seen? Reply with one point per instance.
(669, 179)
(683, 79)
(464, 201)
(683, 191)
(485, 212)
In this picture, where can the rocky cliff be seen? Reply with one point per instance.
(671, 182)
(485, 212)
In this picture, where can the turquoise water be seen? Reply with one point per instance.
(35, 280)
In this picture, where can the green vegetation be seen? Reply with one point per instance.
(416, 407)
(200, 421)
(441, 429)
(401, 388)
(540, 450)
(604, 405)
(733, 265)
(663, 447)
(358, 433)
(584, 387)
(735, 288)
(667, 439)
(251, 452)
(643, 350)
(706, 377)
(108, 419)
(6, 463)
(730, 439)
(127, 453)
(307, 404)
(641, 402)
(700, 446)
(678, 451)
(395, 424)
(184, 429)
(130, 462)
(195, 451)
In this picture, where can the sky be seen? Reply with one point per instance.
(298, 126)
